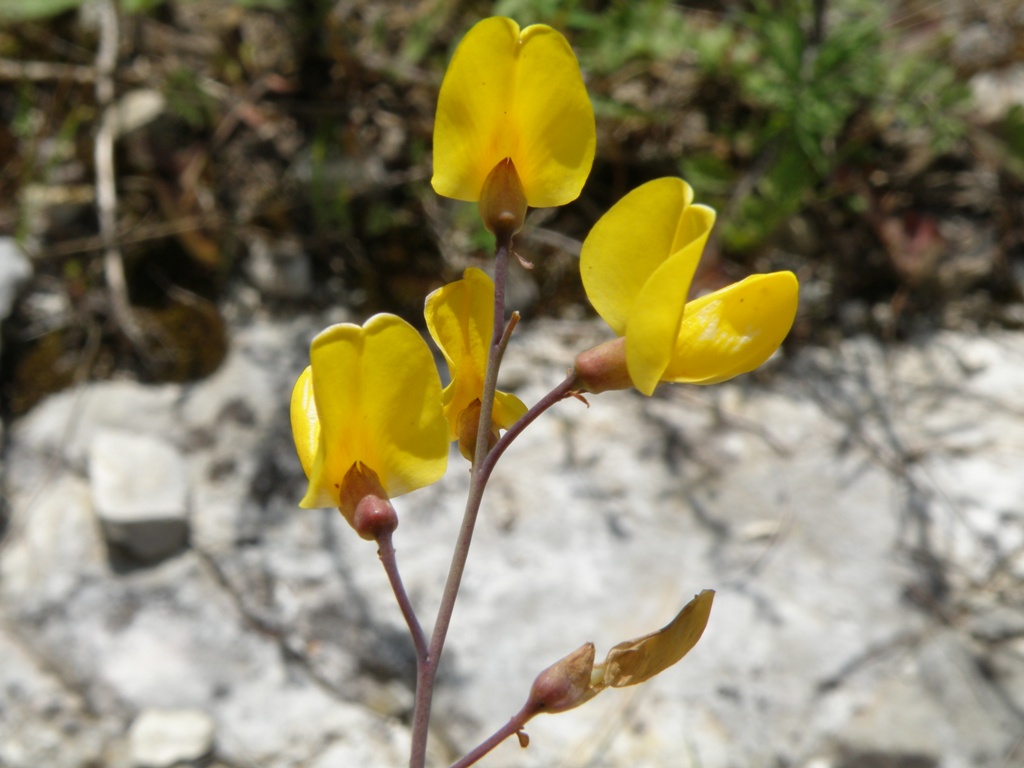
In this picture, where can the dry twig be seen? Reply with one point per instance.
(45, 70)
(106, 182)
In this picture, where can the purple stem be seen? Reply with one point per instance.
(556, 395)
(480, 472)
(426, 667)
(386, 552)
(515, 725)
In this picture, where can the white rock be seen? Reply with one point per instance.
(818, 506)
(54, 544)
(996, 92)
(140, 492)
(161, 738)
(280, 269)
(136, 109)
(15, 269)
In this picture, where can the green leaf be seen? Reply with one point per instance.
(29, 10)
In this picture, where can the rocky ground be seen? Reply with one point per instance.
(858, 512)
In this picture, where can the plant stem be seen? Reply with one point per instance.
(565, 389)
(386, 552)
(426, 668)
(483, 465)
(515, 725)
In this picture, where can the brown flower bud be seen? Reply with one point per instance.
(365, 503)
(603, 368)
(565, 684)
(503, 201)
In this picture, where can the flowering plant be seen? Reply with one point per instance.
(515, 129)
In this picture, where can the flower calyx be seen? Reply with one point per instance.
(503, 201)
(565, 684)
(364, 503)
(603, 368)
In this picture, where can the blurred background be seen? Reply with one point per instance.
(190, 189)
(275, 154)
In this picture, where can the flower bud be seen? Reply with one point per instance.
(503, 201)
(365, 504)
(468, 428)
(565, 684)
(374, 517)
(603, 368)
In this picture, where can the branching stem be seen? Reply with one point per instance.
(483, 466)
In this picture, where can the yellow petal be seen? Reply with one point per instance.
(460, 318)
(653, 325)
(305, 424)
(513, 94)
(557, 133)
(508, 409)
(635, 661)
(734, 330)
(635, 237)
(378, 399)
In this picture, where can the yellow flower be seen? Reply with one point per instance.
(513, 94)
(637, 264)
(460, 318)
(367, 414)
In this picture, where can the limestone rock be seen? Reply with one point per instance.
(164, 738)
(15, 269)
(858, 512)
(53, 546)
(140, 492)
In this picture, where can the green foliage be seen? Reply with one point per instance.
(795, 86)
(606, 38)
(329, 196)
(27, 10)
(188, 101)
(139, 6)
(927, 97)
(804, 93)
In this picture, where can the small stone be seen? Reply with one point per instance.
(138, 108)
(161, 738)
(280, 269)
(140, 492)
(15, 269)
